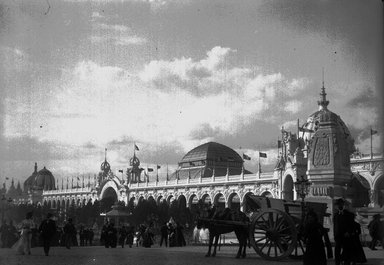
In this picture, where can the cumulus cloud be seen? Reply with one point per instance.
(293, 106)
(181, 103)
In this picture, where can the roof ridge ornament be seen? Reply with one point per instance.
(323, 102)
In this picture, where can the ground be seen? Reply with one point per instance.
(98, 255)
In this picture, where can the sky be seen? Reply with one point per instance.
(77, 77)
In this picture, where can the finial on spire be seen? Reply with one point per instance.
(323, 102)
(323, 76)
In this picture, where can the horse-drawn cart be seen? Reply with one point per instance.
(274, 227)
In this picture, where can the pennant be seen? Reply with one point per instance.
(246, 157)
(150, 169)
(158, 167)
(137, 148)
(121, 171)
(373, 132)
(279, 144)
(263, 154)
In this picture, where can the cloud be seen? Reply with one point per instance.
(177, 104)
(115, 33)
(293, 106)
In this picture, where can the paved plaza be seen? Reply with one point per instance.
(98, 255)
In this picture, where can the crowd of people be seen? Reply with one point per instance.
(348, 249)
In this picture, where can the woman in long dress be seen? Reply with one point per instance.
(23, 246)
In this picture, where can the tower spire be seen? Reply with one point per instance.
(323, 102)
(105, 154)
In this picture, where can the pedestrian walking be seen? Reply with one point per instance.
(196, 235)
(164, 234)
(148, 236)
(357, 249)
(375, 231)
(130, 235)
(47, 231)
(313, 235)
(82, 235)
(23, 245)
(179, 235)
(103, 234)
(122, 235)
(91, 234)
(111, 238)
(12, 234)
(4, 231)
(343, 227)
(69, 233)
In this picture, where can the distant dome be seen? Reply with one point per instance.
(211, 151)
(40, 180)
(44, 180)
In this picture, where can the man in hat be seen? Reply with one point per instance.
(343, 229)
(47, 230)
(375, 231)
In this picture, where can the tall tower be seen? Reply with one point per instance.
(330, 146)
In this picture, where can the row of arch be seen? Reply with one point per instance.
(233, 201)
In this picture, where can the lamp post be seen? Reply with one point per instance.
(302, 188)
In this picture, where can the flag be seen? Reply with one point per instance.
(302, 129)
(137, 148)
(279, 144)
(263, 154)
(246, 157)
(158, 166)
(373, 132)
(6, 178)
(121, 171)
(150, 169)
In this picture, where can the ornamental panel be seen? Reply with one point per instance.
(321, 155)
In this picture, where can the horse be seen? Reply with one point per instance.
(216, 228)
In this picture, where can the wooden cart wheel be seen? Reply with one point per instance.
(273, 234)
(298, 251)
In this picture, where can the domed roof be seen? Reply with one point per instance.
(40, 180)
(44, 180)
(212, 151)
(325, 115)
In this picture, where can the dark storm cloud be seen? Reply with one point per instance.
(351, 22)
(27, 149)
(365, 99)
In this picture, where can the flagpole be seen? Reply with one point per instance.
(259, 165)
(371, 145)
(298, 131)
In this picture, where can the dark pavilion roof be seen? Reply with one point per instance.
(202, 160)
(40, 180)
(213, 152)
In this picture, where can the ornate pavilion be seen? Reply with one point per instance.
(323, 153)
